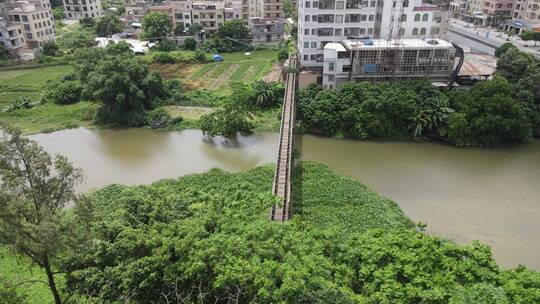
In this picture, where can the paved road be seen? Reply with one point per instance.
(485, 40)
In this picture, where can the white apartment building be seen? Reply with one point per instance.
(321, 22)
(11, 37)
(77, 9)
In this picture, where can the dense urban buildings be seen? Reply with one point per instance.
(265, 17)
(321, 22)
(25, 25)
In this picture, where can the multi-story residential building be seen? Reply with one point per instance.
(11, 37)
(36, 21)
(386, 60)
(492, 8)
(252, 9)
(266, 30)
(526, 10)
(77, 9)
(321, 22)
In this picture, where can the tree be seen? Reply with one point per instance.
(514, 65)
(87, 22)
(58, 12)
(50, 48)
(77, 40)
(190, 44)
(194, 29)
(166, 45)
(34, 189)
(63, 92)
(488, 115)
(156, 26)
(503, 48)
(4, 53)
(179, 29)
(120, 48)
(289, 9)
(108, 25)
(235, 29)
(126, 90)
(527, 36)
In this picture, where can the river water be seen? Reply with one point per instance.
(492, 195)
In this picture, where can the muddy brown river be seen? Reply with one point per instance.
(492, 195)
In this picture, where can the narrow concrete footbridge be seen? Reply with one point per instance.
(282, 211)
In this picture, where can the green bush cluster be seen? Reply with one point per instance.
(206, 238)
(64, 92)
(179, 57)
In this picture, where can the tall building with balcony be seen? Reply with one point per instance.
(77, 9)
(11, 37)
(321, 22)
(492, 8)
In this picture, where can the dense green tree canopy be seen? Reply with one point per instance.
(207, 238)
(156, 26)
(108, 25)
(126, 90)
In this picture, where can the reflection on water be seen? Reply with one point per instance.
(492, 195)
(139, 156)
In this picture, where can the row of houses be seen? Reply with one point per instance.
(265, 17)
(519, 15)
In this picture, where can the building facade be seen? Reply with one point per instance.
(526, 10)
(266, 30)
(34, 19)
(387, 60)
(77, 9)
(321, 22)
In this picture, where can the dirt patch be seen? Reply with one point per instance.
(194, 84)
(224, 77)
(170, 71)
(274, 75)
(188, 112)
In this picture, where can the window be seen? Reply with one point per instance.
(417, 17)
(330, 77)
(24, 18)
(415, 31)
(425, 17)
(352, 18)
(401, 32)
(326, 18)
(372, 4)
(370, 31)
(371, 17)
(306, 57)
(314, 18)
(363, 17)
(306, 45)
(340, 5)
(423, 31)
(306, 32)
(403, 17)
(330, 66)
(313, 45)
(306, 18)
(28, 35)
(405, 3)
(313, 57)
(308, 4)
(339, 18)
(338, 32)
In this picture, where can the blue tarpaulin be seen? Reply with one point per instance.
(370, 68)
(217, 57)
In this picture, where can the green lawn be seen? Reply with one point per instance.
(7, 98)
(31, 80)
(51, 117)
(15, 270)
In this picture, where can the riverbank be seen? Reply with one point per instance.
(202, 227)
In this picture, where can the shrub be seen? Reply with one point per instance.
(163, 57)
(64, 92)
(158, 118)
(87, 22)
(190, 44)
(50, 48)
(166, 45)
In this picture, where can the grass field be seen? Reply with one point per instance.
(19, 271)
(31, 80)
(218, 75)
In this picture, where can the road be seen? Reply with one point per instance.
(485, 40)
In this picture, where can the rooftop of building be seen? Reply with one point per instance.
(426, 7)
(429, 43)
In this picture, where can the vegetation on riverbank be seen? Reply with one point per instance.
(503, 110)
(207, 238)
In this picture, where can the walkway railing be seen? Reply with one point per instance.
(282, 178)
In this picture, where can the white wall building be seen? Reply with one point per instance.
(326, 21)
(77, 9)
